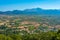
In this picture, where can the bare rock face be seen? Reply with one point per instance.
(57, 26)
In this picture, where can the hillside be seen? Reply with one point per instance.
(33, 11)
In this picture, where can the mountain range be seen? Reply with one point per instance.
(33, 11)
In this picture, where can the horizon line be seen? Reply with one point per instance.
(32, 8)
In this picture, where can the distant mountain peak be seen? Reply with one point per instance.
(33, 11)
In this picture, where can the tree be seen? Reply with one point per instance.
(16, 37)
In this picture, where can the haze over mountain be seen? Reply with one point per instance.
(6, 5)
(33, 11)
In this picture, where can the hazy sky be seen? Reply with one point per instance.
(28, 4)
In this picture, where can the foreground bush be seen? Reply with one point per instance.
(34, 36)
